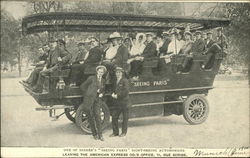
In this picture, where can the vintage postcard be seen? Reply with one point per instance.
(125, 79)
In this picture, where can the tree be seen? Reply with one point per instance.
(9, 38)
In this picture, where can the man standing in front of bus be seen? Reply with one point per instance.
(120, 102)
(93, 90)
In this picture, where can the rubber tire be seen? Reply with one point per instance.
(68, 115)
(86, 130)
(186, 105)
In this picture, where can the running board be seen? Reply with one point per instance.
(53, 107)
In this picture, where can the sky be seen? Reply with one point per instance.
(19, 9)
(16, 8)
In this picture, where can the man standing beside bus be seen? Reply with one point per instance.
(120, 102)
(93, 90)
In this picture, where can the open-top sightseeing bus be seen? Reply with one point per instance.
(159, 91)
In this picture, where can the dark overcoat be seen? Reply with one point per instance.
(89, 90)
(164, 48)
(53, 57)
(95, 55)
(79, 56)
(210, 43)
(121, 57)
(122, 91)
(150, 50)
(198, 46)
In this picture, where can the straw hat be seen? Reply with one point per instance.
(115, 35)
(101, 67)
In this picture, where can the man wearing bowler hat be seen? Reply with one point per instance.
(93, 90)
(58, 57)
(120, 98)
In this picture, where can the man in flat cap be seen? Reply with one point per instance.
(199, 44)
(77, 67)
(120, 98)
(58, 57)
(93, 90)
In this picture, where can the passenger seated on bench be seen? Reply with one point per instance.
(58, 57)
(186, 51)
(136, 50)
(212, 49)
(42, 59)
(221, 39)
(77, 62)
(174, 46)
(164, 48)
(199, 44)
(116, 56)
(148, 52)
(93, 57)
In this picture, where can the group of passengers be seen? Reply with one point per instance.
(126, 53)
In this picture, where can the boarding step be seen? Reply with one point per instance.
(53, 107)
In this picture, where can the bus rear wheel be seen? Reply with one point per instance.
(82, 120)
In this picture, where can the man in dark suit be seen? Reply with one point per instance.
(211, 49)
(209, 41)
(121, 57)
(120, 102)
(164, 48)
(93, 89)
(58, 57)
(150, 49)
(94, 56)
(199, 44)
(95, 53)
(77, 67)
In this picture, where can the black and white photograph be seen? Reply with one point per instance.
(92, 78)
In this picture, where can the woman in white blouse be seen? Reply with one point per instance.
(135, 52)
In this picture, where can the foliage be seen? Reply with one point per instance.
(9, 38)
(239, 32)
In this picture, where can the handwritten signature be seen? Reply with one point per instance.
(226, 152)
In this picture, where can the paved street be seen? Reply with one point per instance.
(227, 124)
